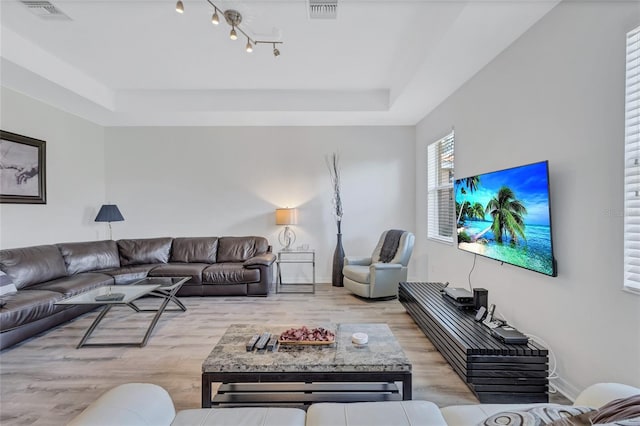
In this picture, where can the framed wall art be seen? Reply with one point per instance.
(22, 169)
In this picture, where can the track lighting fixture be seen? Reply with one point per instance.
(233, 18)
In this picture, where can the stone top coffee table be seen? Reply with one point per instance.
(341, 372)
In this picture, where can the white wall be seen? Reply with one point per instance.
(74, 172)
(556, 94)
(218, 181)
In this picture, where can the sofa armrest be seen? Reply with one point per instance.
(129, 404)
(264, 259)
(353, 260)
(599, 394)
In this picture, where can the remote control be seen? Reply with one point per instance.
(273, 342)
(262, 341)
(251, 343)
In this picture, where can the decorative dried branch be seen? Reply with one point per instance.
(333, 164)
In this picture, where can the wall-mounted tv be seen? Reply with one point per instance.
(505, 215)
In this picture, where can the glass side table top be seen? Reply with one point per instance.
(131, 293)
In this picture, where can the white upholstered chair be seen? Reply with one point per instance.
(371, 278)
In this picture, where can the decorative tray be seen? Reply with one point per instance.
(304, 336)
(306, 342)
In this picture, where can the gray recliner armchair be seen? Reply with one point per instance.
(373, 277)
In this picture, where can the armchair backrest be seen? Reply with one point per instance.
(405, 248)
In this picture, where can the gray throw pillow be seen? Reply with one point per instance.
(7, 287)
(537, 416)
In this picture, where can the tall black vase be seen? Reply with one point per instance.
(338, 263)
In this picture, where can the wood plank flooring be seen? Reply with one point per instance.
(47, 381)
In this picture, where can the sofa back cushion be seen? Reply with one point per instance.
(89, 256)
(194, 250)
(32, 265)
(239, 249)
(144, 250)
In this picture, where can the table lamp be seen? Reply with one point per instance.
(286, 217)
(109, 213)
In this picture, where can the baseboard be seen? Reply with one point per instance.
(567, 389)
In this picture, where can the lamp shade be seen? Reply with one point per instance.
(286, 216)
(109, 213)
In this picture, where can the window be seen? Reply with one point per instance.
(632, 165)
(440, 189)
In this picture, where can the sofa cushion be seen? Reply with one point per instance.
(27, 306)
(239, 249)
(32, 265)
(544, 415)
(246, 416)
(384, 413)
(144, 250)
(89, 256)
(129, 404)
(193, 270)
(229, 273)
(194, 250)
(358, 273)
(129, 274)
(465, 415)
(75, 284)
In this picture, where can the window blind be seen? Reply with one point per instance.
(632, 165)
(440, 210)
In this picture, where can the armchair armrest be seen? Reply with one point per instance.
(353, 260)
(380, 266)
(264, 259)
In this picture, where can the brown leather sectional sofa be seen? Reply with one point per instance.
(45, 274)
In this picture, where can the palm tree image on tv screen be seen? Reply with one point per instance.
(505, 215)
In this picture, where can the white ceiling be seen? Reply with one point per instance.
(138, 62)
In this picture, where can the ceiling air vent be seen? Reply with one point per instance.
(45, 10)
(323, 9)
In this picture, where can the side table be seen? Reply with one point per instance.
(299, 257)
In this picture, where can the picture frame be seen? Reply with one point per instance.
(22, 169)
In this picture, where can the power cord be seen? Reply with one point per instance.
(552, 359)
(472, 268)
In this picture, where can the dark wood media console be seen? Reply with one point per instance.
(495, 372)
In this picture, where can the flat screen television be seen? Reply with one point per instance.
(505, 215)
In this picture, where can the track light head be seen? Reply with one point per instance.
(276, 52)
(249, 46)
(179, 7)
(233, 35)
(215, 19)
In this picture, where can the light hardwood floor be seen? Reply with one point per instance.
(46, 381)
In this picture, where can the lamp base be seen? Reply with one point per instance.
(286, 238)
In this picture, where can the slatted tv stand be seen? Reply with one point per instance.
(495, 372)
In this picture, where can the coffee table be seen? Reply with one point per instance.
(162, 287)
(342, 372)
